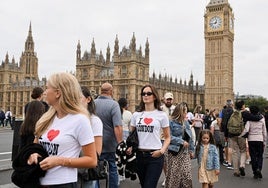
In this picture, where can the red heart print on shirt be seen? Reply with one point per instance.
(147, 121)
(52, 134)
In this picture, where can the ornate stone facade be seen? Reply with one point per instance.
(128, 72)
(18, 79)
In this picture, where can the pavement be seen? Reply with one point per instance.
(226, 178)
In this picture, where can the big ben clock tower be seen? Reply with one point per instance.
(219, 38)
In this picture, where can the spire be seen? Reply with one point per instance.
(7, 58)
(147, 50)
(93, 49)
(13, 60)
(108, 54)
(116, 46)
(30, 30)
(78, 51)
(133, 43)
(29, 44)
(140, 51)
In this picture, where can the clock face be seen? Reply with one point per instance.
(215, 22)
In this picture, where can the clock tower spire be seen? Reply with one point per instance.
(219, 38)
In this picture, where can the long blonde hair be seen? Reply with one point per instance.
(69, 100)
(178, 113)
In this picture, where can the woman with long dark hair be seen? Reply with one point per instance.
(148, 121)
(35, 110)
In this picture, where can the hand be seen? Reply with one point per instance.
(51, 162)
(33, 159)
(185, 144)
(156, 153)
(129, 151)
(217, 172)
(191, 155)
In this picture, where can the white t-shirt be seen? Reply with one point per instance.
(215, 125)
(149, 125)
(190, 116)
(96, 125)
(64, 138)
(126, 117)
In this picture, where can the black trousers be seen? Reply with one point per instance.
(256, 155)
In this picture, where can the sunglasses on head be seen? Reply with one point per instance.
(146, 93)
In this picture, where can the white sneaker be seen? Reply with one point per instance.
(164, 183)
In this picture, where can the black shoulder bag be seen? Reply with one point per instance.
(100, 172)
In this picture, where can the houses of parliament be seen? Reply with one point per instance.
(128, 69)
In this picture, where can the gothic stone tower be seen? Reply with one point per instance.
(18, 79)
(29, 60)
(127, 71)
(219, 37)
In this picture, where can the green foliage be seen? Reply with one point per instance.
(261, 102)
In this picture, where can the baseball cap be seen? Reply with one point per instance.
(168, 95)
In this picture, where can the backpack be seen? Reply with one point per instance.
(235, 124)
(226, 113)
(2, 115)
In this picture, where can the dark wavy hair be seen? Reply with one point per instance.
(37, 92)
(157, 102)
(91, 107)
(34, 111)
(122, 103)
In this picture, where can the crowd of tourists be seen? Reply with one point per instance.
(76, 130)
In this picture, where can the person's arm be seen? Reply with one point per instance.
(88, 160)
(246, 129)
(166, 132)
(247, 116)
(212, 128)
(118, 131)
(98, 144)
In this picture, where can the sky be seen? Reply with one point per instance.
(174, 29)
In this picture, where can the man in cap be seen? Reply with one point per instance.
(167, 107)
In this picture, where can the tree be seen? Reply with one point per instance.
(261, 102)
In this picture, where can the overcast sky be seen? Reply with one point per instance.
(174, 29)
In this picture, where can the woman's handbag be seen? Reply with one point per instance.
(100, 172)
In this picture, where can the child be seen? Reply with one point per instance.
(207, 159)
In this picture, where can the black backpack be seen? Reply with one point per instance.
(226, 114)
(2, 115)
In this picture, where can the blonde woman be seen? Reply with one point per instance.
(63, 131)
(180, 150)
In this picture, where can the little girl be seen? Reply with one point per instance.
(207, 159)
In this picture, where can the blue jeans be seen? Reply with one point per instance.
(113, 175)
(149, 169)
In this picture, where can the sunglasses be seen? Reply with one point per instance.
(146, 93)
